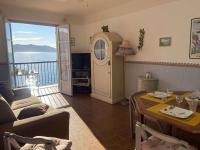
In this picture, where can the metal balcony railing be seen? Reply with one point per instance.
(45, 72)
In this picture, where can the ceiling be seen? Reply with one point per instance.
(78, 8)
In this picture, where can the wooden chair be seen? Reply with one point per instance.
(157, 140)
(134, 113)
(12, 140)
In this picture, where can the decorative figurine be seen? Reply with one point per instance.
(105, 28)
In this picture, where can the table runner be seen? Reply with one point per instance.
(192, 121)
(158, 100)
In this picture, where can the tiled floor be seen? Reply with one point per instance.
(94, 125)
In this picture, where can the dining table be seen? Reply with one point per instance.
(189, 128)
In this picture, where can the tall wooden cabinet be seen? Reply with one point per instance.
(107, 72)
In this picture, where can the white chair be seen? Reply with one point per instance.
(157, 140)
(12, 140)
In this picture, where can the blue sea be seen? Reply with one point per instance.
(47, 71)
(21, 57)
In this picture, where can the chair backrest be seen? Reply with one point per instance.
(133, 104)
(11, 140)
(133, 111)
(141, 133)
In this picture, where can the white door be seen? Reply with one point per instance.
(64, 60)
(101, 68)
(10, 54)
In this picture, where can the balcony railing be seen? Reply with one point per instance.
(45, 72)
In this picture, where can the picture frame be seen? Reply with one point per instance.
(194, 50)
(165, 41)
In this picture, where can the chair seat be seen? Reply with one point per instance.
(60, 144)
(154, 143)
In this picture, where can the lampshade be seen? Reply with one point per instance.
(125, 49)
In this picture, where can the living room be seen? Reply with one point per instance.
(160, 37)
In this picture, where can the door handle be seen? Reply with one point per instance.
(109, 63)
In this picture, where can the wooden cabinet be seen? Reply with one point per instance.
(107, 72)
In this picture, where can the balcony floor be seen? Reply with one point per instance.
(50, 96)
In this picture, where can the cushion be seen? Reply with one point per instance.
(6, 112)
(154, 143)
(7, 92)
(17, 104)
(33, 110)
(60, 144)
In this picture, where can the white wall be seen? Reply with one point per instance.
(78, 32)
(171, 19)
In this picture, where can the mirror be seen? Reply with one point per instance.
(100, 49)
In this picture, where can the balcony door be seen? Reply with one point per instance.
(64, 60)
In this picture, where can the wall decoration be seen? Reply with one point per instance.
(195, 39)
(165, 41)
(141, 39)
(105, 28)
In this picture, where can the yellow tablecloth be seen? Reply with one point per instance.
(192, 121)
(157, 100)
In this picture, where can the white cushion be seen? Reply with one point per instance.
(60, 144)
(154, 143)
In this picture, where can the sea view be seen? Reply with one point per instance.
(34, 49)
(21, 57)
(46, 69)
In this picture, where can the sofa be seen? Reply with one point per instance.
(53, 123)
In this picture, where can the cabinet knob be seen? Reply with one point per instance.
(109, 63)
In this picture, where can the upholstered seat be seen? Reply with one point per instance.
(157, 140)
(60, 144)
(21, 103)
(153, 143)
(14, 141)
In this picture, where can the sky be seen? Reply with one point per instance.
(33, 34)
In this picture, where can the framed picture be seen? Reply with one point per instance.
(194, 51)
(165, 41)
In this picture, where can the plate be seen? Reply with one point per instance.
(158, 94)
(177, 112)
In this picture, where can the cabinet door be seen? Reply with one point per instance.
(101, 68)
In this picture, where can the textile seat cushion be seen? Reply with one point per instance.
(17, 104)
(60, 144)
(154, 143)
(33, 110)
(7, 92)
(6, 112)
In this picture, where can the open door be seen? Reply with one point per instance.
(10, 53)
(64, 60)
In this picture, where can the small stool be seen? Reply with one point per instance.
(36, 143)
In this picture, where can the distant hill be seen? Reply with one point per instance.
(33, 48)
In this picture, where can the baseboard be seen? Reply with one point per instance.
(106, 99)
